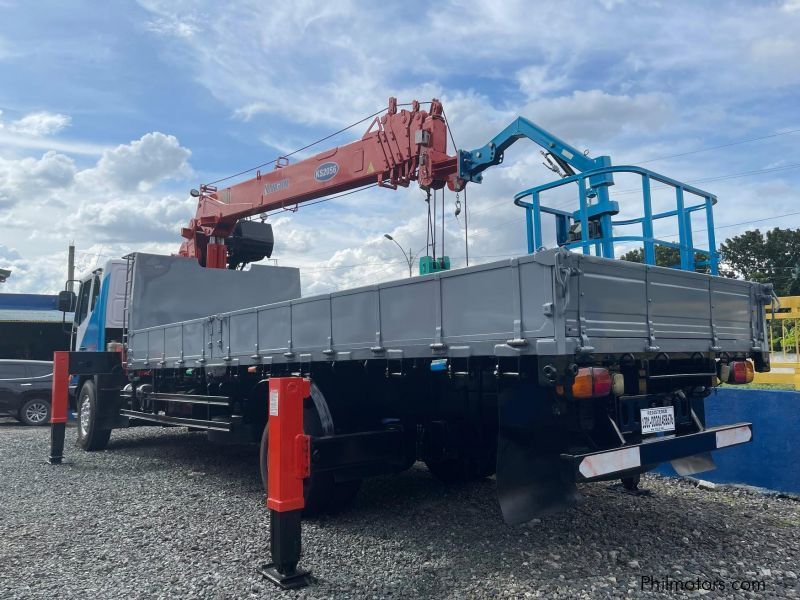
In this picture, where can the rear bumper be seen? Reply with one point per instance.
(607, 464)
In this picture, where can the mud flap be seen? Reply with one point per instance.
(530, 476)
(109, 401)
(694, 464)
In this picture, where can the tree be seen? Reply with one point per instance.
(666, 256)
(773, 257)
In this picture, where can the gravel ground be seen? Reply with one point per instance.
(164, 514)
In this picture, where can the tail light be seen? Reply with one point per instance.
(741, 372)
(591, 382)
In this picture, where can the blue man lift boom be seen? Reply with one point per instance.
(591, 224)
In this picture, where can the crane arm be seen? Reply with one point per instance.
(472, 163)
(397, 148)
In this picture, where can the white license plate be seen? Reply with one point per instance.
(658, 419)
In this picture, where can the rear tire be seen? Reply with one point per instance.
(91, 436)
(35, 412)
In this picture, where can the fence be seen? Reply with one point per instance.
(784, 343)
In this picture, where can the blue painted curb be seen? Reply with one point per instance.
(772, 459)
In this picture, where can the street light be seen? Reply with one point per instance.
(408, 255)
(4, 274)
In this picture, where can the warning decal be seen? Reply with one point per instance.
(273, 403)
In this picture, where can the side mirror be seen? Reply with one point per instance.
(67, 301)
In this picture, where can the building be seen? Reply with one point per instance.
(32, 327)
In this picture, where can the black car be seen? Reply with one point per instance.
(25, 390)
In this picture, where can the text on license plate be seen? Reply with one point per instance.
(661, 418)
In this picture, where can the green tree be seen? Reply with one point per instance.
(666, 256)
(773, 257)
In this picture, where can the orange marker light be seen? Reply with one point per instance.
(591, 382)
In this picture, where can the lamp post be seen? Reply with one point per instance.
(408, 255)
(4, 274)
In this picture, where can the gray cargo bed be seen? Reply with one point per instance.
(549, 303)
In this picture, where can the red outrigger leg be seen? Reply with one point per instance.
(58, 410)
(289, 463)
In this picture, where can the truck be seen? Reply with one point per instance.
(556, 367)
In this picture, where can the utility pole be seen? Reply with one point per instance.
(70, 266)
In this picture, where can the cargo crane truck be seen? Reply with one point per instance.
(559, 366)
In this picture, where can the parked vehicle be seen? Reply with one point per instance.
(25, 390)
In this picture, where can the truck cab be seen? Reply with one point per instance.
(98, 307)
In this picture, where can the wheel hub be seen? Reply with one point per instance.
(36, 412)
(85, 414)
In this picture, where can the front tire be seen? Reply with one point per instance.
(91, 436)
(35, 412)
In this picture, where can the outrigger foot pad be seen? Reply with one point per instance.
(287, 581)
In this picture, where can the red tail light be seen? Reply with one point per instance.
(741, 372)
(591, 382)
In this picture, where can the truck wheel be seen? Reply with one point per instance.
(35, 412)
(321, 493)
(90, 435)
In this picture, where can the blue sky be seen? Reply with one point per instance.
(112, 111)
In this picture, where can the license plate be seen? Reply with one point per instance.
(661, 418)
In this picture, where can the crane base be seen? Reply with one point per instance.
(288, 581)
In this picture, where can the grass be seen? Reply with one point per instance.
(762, 386)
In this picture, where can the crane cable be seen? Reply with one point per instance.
(466, 221)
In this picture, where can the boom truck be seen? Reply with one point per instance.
(559, 366)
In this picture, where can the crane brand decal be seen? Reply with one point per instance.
(276, 187)
(326, 171)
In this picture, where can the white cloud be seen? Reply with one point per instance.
(28, 179)
(595, 115)
(539, 80)
(791, 6)
(134, 167)
(40, 123)
(172, 27)
(31, 132)
(140, 164)
(135, 218)
(8, 254)
(26, 142)
(109, 208)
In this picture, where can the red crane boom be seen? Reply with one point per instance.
(397, 148)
